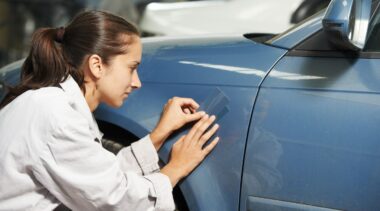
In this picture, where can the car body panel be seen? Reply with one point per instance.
(314, 138)
(235, 67)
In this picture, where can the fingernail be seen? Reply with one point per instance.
(216, 125)
(202, 113)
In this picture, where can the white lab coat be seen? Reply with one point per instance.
(48, 155)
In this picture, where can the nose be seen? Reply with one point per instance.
(136, 83)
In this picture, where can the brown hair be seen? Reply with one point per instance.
(57, 53)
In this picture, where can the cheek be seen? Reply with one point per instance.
(112, 87)
(121, 80)
(126, 79)
(121, 84)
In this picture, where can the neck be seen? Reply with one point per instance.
(91, 97)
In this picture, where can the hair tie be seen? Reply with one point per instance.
(59, 34)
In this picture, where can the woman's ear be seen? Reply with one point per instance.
(95, 66)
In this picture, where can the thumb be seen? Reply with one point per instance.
(195, 116)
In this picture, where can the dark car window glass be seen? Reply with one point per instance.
(317, 42)
(373, 41)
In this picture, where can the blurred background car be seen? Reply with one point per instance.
(226, 16)
(20, 18)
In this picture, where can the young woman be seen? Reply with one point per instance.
(48, 154)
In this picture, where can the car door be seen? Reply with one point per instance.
(314, 141)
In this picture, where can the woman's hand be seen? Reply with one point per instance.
(176, 113)
(188, 152)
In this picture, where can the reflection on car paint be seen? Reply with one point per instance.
(251, 71)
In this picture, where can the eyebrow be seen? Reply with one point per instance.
(134, 64)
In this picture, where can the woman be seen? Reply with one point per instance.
(48, 154)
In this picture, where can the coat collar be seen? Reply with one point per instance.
(79, 103)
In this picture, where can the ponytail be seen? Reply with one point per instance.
(57, 53)
(44, 66)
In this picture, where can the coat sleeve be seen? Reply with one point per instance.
(141, 157)
(84, 176)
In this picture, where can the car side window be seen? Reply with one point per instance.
(373, 41)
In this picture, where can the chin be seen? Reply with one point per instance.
(119, 104)
(115, 104)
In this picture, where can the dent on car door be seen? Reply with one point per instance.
(314, 141)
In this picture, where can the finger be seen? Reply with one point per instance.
(181, 138)
(187, 111)
(211, 146)
(203, 127)
(193, 110)
(189, 108)
(178, 142)
(206, 136)
(194, 116)
(188, 102)
(195, 127)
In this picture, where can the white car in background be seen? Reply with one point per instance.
(225, 16)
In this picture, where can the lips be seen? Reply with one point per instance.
(126, 93)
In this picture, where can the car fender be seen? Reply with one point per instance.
(205, 69)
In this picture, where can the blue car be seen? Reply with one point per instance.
(299, 112)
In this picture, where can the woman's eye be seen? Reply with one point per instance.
(131, 69)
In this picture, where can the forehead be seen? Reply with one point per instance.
(134, 51)
(135, 48)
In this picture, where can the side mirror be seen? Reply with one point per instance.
(346, 23)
